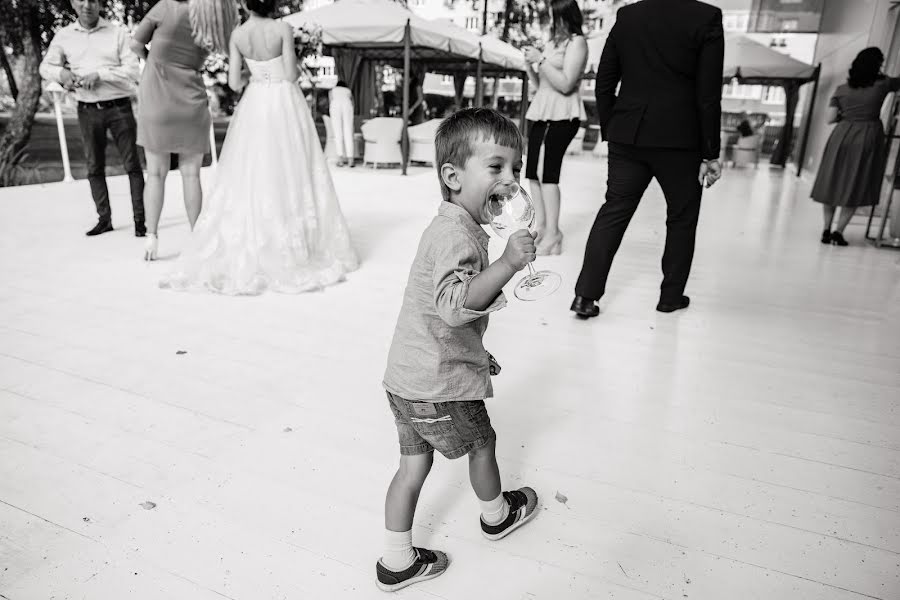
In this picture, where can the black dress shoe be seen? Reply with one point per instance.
(826, 237)
(837, 239)
(584, 307)
(99, 228)
(140, 230)
(668, 307)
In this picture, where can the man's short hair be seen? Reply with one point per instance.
(457, 134)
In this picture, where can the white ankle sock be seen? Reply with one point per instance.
(398, 550)
(494, 511)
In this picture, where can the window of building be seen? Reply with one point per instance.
(774, 95)
(742, 92)
(473, 23)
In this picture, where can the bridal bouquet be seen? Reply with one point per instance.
(215, 70)
(307, 41)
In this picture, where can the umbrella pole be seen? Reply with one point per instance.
(523, 105)
(479, 82)
(812, 105)
(404, 137)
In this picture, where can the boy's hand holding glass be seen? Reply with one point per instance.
(520, 250)
(512, 217)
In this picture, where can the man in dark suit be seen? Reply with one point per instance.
(664, 123)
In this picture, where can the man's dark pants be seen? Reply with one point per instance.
(116, 116)
(631, 169)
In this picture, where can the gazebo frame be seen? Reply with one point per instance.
(791, 87)
(442, 62)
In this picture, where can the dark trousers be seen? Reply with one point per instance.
(630, 171)
(95, 120)
(555, 137)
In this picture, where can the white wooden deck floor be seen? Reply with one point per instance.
(748, 447)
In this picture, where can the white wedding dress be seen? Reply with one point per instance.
(272, 219)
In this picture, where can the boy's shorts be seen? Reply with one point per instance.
(452, 428)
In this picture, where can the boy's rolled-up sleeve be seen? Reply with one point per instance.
(456, 263)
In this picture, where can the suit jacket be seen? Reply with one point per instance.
(668, 56)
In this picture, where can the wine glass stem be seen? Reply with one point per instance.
(530, 271)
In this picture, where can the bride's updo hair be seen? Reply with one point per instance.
(263, 8)
(212, 22)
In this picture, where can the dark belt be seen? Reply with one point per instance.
(106, 103)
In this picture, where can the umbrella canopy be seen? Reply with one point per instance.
(752, 62)
(377, 27)
(746, 59)
(498, 52)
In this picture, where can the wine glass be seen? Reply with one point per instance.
(511, 209)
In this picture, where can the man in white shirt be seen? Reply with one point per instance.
(91, 57)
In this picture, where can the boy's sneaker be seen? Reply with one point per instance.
(428, 565)
(523, 504)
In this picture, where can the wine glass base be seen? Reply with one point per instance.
(537, 286)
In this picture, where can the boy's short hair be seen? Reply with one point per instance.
(458, 132)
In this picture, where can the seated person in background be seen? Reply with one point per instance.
(745, 129)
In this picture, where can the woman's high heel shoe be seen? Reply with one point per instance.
(551, 246)
(151, 246)
(837, 239)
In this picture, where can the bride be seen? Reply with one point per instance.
(272, 220)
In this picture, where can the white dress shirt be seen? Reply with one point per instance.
(104, 50)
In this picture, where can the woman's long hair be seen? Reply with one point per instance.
(866, 68)
(212, 22)
(567, 19)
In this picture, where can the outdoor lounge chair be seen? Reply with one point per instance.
(382, 138)
(421, 141)
(747, 151)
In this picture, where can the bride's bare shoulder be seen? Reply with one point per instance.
(240, 33)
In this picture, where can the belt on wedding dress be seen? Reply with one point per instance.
(267, 79)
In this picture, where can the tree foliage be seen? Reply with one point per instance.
(22, 27)
(18, 18)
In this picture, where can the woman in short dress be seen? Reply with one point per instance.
(850, 172)
(555, 115)
(174, 109)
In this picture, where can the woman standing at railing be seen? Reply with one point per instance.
(849, 174)
(173, 106)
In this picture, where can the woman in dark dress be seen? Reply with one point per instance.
(854, 158)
